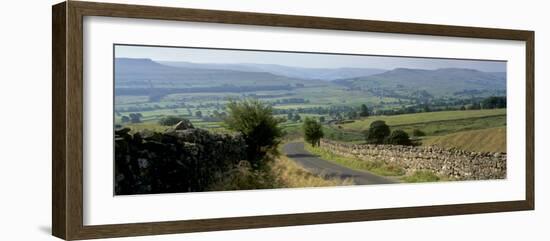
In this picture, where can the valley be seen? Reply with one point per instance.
(437, 102)
(427, 116)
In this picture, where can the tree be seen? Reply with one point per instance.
(377, 132)
(398, 137)
(475, 106)
(364, 112)
(254, 120)
(494, 102)
(198, 114)
(289, 116)
(313, 131)
(322, 119)
(297, 117)
(426, 108)
(338, 116)
(417, 133)
(125, 119)
(352, 115)
(135, 117)
(170, 120)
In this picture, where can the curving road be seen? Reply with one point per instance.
(318, 166)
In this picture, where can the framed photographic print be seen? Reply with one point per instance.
(171, 120)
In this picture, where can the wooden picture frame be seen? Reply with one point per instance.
(67, 152)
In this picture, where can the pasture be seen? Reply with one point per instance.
(472, 130)
(203, 109)
(426, 117)
(485, 140)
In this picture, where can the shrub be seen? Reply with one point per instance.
(377, 132)
(417, 133)
(135, 117)
(494, 102)
(243, 177)
(313, 131)
(260, 129)
(398, 137)
(364, 112)
(297, 118)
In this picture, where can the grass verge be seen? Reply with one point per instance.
(280, 172)
(290, 174)
(376, 167)
(421, 176)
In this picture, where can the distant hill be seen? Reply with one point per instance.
(134, 75)
(145, 73)
(327, 74)
(448, 81)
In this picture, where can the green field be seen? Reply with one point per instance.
(427, 118)
(485, 140)
(186, 105)
(267, 104)
(473, 130)
(317, 101)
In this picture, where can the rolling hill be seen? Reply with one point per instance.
(146, 73)
(327, 74)
(403, 82)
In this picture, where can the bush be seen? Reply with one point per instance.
(254, 120)
(377, 132)
(313, 131)
(417, 133)
(494, 102)
(244, 177)
(364, 111)
(297, 118)
(398, 137)
(135, 117)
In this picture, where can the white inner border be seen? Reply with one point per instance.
(101, 207)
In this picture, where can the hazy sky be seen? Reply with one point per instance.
(308, 60)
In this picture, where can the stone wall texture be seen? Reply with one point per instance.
(182, 160)
(451, 163)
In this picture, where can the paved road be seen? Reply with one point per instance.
(316, 165)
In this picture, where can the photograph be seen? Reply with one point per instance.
(197, 119)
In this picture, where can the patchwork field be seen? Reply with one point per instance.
(169, 114)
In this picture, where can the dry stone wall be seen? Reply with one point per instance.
(452, 163)
(183, 160)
